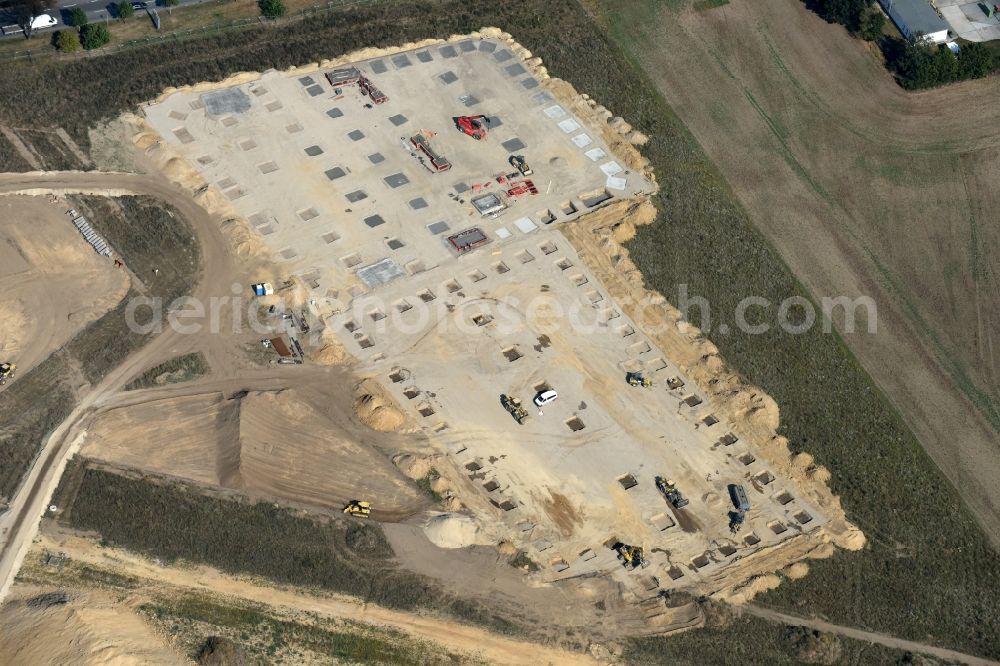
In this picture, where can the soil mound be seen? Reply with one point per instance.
(453, 530)
(376, 409)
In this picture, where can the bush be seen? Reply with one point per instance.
(272, 8)
(124, 10)
(67, 41)
(77, 17)
(872, 24)
(94, 35)
(922, 65)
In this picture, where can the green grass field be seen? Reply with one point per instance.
(175, 371)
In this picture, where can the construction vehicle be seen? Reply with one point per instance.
(638, 379)
(437, 163)
(671, 492)
(739, 497)
(514, 406)
(630, 556)
(521, 164)
(474, 126)
(358, 508)
(6, 372)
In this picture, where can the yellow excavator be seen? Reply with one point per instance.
(358, 508)
(630, 556)
(6, 372)
(638, 379)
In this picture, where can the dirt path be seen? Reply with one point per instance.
(20, 524)
(452, 635)
(869, 636)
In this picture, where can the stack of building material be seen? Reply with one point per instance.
(95, 240)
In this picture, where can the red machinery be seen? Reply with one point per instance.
(368, 88)
(474, 126)
(437, 162)
(522, 187)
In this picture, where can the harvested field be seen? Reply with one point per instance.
(265, 444)
(857, 184)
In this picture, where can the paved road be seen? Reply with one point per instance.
(868, 636)
(97, 10)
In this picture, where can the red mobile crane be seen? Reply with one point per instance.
(474, 126)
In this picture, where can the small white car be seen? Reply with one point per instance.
(545, 397)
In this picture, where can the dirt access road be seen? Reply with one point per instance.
(868, 636)
(865, 189)
(20, 524)
(452, 635)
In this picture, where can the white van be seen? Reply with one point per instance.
(43, 21)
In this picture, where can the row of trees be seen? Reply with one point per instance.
(90, 36)
(860, 17)
(916, 63)
(921, 65)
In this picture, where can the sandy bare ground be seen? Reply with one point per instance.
(53, 283)
(865, 190)
(88, 629)
(267, 443)
(452, 635)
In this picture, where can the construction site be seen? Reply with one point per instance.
(443, 208)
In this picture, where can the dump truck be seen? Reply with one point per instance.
(671, 492)
(742, 504)
(514, 406)
(6, 372)
(638, 379)
(358, 508)
(739, 497)
(631, 557)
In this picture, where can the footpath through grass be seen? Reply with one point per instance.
(929, 573)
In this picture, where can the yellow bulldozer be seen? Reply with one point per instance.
(638, 379)
(6, 372)
(513, 405)
(358, 508)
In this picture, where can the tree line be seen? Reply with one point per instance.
(915, 62)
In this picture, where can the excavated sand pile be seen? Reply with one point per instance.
(454, 530)
(377, 410)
